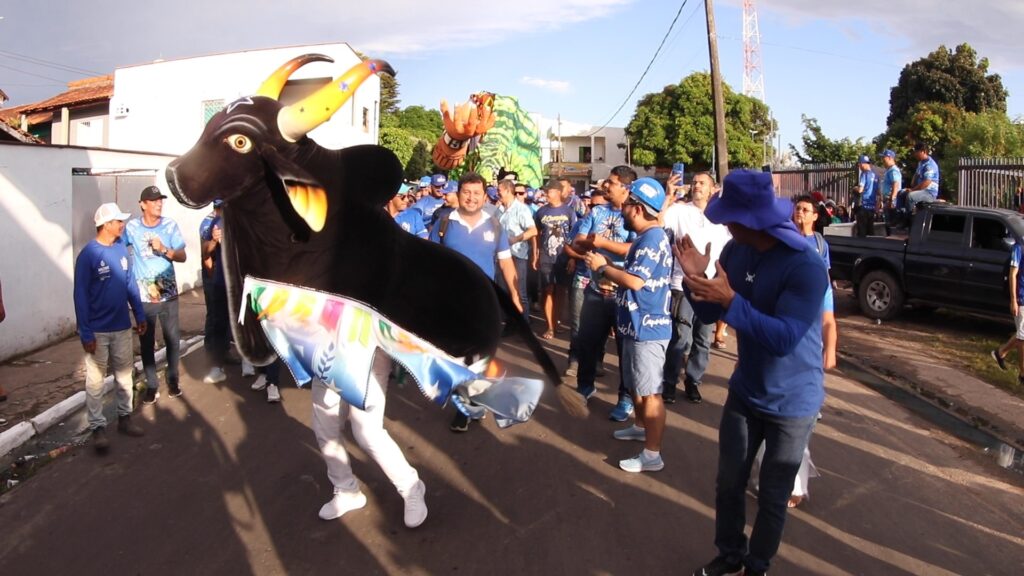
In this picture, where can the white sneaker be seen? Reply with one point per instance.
(273, 394)
(215, 376)
(631, 433)
(260, 382)
(640, 463)
(247, 368)
(341, 503)
(416, 505)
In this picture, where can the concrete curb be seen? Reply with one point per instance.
(22, 432)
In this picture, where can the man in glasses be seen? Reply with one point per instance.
(643, 324)
(517, 220)
(428, 205)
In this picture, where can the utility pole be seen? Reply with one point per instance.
(721, 146)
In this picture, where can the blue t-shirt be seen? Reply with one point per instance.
(927, 169)
(554, 226)
(892, 176)
(867, 190)
(516, 219)
(483, 244)
(1015, 258)
(153, 273)
(427, 206)
(104, 288)
(606, 222)
(216, 277)
(412, 222)
(812, 240)
(779, 371)
(644, 315)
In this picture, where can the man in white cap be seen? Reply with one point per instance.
(765, 280)
(104, 289)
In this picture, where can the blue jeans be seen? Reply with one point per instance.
(691, 338)
(919, 196)
(167, 313)
(740, 434)
(218, 323)
(597, 318)
(575, 313)
(522, 269)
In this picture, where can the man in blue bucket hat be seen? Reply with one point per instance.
(769, 285)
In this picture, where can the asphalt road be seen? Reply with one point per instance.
(224, 483)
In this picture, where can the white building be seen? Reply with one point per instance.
(581, 152)
(162, 107)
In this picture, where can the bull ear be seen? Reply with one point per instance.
(306, 195)
(369, 174)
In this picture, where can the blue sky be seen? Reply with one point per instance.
(828, 59)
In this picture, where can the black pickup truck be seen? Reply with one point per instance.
(951, 256)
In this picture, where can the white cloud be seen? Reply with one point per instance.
(917, 27)
(559, 86)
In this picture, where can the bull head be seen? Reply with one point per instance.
(241, 146)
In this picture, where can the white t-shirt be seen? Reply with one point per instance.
(686, 219)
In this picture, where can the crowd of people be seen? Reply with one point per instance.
(658, 268)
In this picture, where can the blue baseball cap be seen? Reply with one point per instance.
(450, 187)
(217, 202)
(424, 182)
(438, 180)
(648, 192)
(864, 159)
(888, 154)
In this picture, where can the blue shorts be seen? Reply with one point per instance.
(643, 365)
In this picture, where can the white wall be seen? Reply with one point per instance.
(38, 216)
(159, 107)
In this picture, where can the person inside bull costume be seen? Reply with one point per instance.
(319, 274)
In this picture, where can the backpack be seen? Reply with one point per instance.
(820, 241)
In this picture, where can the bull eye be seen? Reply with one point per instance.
(239, 143)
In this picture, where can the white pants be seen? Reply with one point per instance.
(114, 348)
(801, 484)
(329, 415)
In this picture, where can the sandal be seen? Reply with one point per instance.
(718, 344)
(794, 501)
(548, 335)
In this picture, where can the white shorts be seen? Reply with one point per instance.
(1018, 321)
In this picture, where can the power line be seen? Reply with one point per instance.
(48, 63)
(646, 70)
(31, 74)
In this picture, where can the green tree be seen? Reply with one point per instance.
(388, 90)
(395, 138)
(422, 123)
(819, 148)
(958, 78)
(677, 125)
(420, 162)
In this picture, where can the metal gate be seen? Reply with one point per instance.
(990, 182)
(834, 180)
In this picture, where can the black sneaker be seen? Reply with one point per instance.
(999, 359)
(173, 390)
(100, 442)
(125, 426)
(668, 395)
(720, 566)
(460, 423)
(150, 396)
(693, 393)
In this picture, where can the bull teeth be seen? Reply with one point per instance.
(310, 203)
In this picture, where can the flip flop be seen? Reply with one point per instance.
(794, 501)
(718, 344)
(548, 335)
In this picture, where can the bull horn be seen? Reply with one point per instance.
(297, 120)
(272, 86)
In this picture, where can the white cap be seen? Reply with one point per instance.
(107, 212)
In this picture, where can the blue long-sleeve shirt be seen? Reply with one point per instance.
(104, 288)
(779, 295)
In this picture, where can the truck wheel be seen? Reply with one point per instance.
(880, 295)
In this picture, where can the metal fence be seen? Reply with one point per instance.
(834, 180)
(991, 182)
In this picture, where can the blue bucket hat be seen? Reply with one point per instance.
(748, 198)
(648, 192)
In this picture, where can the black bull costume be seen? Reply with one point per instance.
(301, 215)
